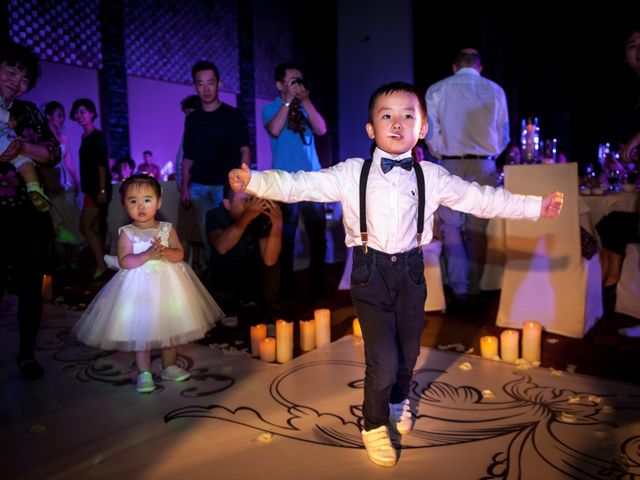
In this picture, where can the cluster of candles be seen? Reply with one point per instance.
(510, 342)
(313, 334)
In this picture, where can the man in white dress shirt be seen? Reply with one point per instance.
(387, 281)
(469, 124)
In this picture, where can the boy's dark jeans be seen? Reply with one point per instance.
(388, 292)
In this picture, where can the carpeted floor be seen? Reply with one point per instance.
(241, 418)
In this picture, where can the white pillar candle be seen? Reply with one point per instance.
(307, 335)
(489, 346)
(258, 332)
(47, 288)
(357, 331)
(322, 317)
(268, 349)
(531, 340)
(284, 341)
(509, 342)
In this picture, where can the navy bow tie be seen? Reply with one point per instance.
(388, 163)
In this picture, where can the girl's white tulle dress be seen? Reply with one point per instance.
(156, 305)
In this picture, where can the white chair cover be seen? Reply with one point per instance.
(546, 279)
(628, 288)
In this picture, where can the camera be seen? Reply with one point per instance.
(302, 81)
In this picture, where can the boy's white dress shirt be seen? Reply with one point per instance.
(392, 198)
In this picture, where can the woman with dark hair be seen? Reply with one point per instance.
(62, 186)
(26, 232)
(95, 181)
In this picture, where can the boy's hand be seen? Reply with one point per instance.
(551, 205)
(239, 178)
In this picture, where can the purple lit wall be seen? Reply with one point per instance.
(162, 41)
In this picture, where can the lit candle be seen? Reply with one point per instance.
(268, 349)
(509, 340)
(531, 340)
(357, 331)
(307, 335)
(489, 346)
(284, 341)
(47, 288)
(258, 332)
(322, 317)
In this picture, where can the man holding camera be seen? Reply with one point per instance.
(291, 121)
(246, 235)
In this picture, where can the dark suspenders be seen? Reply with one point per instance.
(364, 176)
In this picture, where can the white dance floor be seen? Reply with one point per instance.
(243, 419)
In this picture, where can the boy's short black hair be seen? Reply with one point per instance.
(140, 179)
(204, 65)
(192, 102)
(147, 152)
(393, 87)
(23, 59)
(281, 70)
(86, 103)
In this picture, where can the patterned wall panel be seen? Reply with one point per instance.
(61, 31)
(165, 38)
(273, 42)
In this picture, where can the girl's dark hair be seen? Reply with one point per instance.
(140, 179)
(86, 103)
(51, 107)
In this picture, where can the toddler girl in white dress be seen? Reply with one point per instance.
(155, 300)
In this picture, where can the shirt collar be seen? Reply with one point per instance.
(467, 71)
(379, 153)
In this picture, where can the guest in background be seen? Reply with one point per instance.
(510, 156)
(216, 139)
(148, 166)
(246, 235)
(632, 57)
(187, 227)
(187, 105)
(616, 230)
(94, 181)
(62, 185)
(26, 232)
(124, 168)
(469, 120)
(292, 121)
